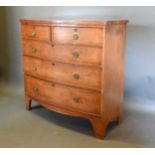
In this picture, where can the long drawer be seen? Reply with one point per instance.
(67, 97)
(78, 36)
(85, 77)
(64, 53)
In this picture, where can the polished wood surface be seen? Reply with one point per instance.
(67, 97)
(73, 22)
(64, 73)
(114, 70)
(36, 32)
(63, 53)
(77, 36)
(75, 68)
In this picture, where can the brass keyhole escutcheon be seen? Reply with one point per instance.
(34, 34)
(76, 54)
(53, 84)
(36, 89)
(34, 50)
(75, 36)
(76, 99)
(53, 63)
(34, 68)
(76, 76)
(52, 45)
(75, 29)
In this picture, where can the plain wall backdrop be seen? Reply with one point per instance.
(140, 47)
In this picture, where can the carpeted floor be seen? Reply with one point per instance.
(43, 128)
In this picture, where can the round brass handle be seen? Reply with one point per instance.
(34, 50)
(75, 54)
(76, 76)
(34, 68)
(34, 34)
(36, 89)
(76, 99)
(75, 36)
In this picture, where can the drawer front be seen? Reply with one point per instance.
(80, 36)
(37, 49)
(67, 97)
(85, 77)
(36, 32)
(68, 54)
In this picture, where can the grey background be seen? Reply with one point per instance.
(140, 48)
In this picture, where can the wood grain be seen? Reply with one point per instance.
(113, 81)
(36, 32)
(86, 36)
(28, 101)
(63, 73)
(63, 53)
(76, 68)
(88, 23)
(68, 97)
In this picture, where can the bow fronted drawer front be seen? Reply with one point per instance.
(63, 53)
(84, 77)
(63, 96)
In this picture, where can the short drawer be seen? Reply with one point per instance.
(64, 53)
(80, 36)
(85, 77)
(67, 97)
(36, 32)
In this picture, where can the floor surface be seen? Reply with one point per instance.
(43, 128)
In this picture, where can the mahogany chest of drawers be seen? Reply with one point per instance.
(75, 68)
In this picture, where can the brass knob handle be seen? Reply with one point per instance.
(36, 89)
(34, 34)
(34, 50)
(34, 68)
(75, 36)
(76, 76)
(76, 99)
(75, 54)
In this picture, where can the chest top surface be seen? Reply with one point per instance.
(73, 22)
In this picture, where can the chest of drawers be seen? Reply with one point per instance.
(75, 68)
